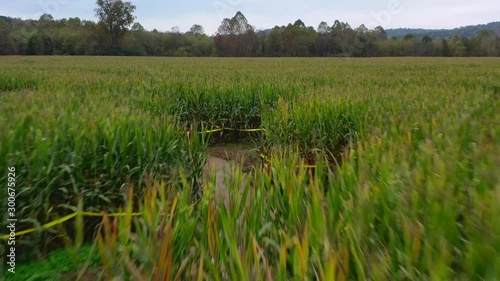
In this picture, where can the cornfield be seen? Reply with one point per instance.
(369, 169)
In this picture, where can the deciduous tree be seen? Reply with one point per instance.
(116, 16)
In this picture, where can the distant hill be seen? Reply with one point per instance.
(466, 31)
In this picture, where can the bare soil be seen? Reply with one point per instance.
(220, 160)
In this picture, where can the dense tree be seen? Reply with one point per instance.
(459, 48)
(103, 43)
(72, 45)
(446, 49)
(239, 25)
(116, 16)
(175, 29)
(273, 43)
(40, 44)
(323, 39)
(409, 36)
(342, 39)
(131, 45)
(137, 27)
(196, 29)
(46, 20)
(427, 46)
(198, 44)
(361, 41)
(153, 42)
(488, 43)
(298, 39)
(5, 44)
(74, 22)
(323, 28)
(379, 33)
(235, 37)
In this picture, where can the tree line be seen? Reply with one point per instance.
(115, 33)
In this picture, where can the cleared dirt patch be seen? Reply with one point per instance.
(244, 155)
(220, 159)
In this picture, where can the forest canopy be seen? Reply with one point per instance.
(117, 33)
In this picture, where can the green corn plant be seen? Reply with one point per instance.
(373, 169)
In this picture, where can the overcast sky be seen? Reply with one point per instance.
(164, 14)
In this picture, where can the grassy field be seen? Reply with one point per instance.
(370, 169)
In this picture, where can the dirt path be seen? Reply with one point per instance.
(219, 160)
